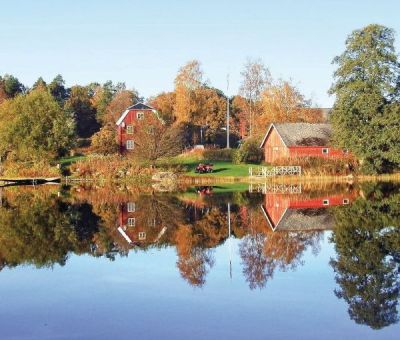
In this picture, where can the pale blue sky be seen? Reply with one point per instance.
(143, 43)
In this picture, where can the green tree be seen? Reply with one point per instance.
(11, 86)
(58, 90)
(34, 126)
(40, 83)
(365, 114)
(79, 103)
(367, 242)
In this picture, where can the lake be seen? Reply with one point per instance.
(273, 261)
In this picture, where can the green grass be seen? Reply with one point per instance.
(66, 161)
(220, 168)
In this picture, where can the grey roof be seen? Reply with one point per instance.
(306, 219)
(304, 134)
(302, 219)
(140, 106)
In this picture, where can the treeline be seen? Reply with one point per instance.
(48, 120)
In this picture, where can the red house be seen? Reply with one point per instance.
(129, 122)
(291, 140)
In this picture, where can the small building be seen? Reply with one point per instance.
(292, 140)
(129, 121)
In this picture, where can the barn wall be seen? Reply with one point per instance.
(274, 148)
(315, 151)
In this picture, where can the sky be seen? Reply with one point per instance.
(143, 43)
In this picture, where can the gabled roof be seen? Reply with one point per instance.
(137, 106)
(301, 134)
(140, 106)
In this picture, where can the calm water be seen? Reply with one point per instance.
(276, 262)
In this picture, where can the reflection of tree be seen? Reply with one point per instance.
(367, 241)
(194, 261)
(255, 263)
(43, 231)
(263, 250)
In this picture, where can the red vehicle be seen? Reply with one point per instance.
(204, 168)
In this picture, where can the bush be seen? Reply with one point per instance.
(218, 154)
(249, 152)
(104, 142)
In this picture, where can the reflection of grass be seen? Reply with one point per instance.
(219, 189)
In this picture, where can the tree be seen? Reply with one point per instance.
(10, 87)
(40, 83)
(164, 103)
(367, 93)
(79, 103)
(154, 139)
(58, 90)
(188, 79)
(255, 77)
(34, 126)
(283, 102)
(105, 141)
(121, 100)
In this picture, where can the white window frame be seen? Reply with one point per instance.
(131, 207)
(130, 144)
(130, 129)
(325, 151)
(140, 115)
(325, 201)
(346, 201)
(131, 222)
(142, 235)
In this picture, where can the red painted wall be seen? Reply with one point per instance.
(316, 151)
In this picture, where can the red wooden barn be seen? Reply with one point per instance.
(292, 212)
(291, 140)
(129, 122)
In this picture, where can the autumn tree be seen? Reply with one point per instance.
(34, 126)
(39, 84)
(58, 90)
(365, 115)
(104, 141)
(255, 77)
(164, 103)
(118, 104)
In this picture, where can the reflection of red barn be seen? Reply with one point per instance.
(129, 122)
(294, 212)
(290, 140)
(136, 227)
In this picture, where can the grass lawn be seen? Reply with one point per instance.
(66, 161)
(221, 168)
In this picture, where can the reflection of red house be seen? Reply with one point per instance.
(129, 122)
(136, 227)
(290, 140)
(294, 212)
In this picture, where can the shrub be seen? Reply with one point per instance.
(104, 142)
(249, 152)
(218, 154)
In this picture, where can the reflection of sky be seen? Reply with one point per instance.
(143, 296)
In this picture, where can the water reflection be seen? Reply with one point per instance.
(275, 226)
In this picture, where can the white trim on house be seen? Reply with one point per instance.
(121, 119)
(125, 236)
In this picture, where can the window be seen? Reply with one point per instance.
(346, 201)
(131, 222)
(142, 235)
(140, 115)
(325, 202)
(131, 206)
(151, 130)
(129, 129)
(325, 151)
(275, 148)
(130, 144)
